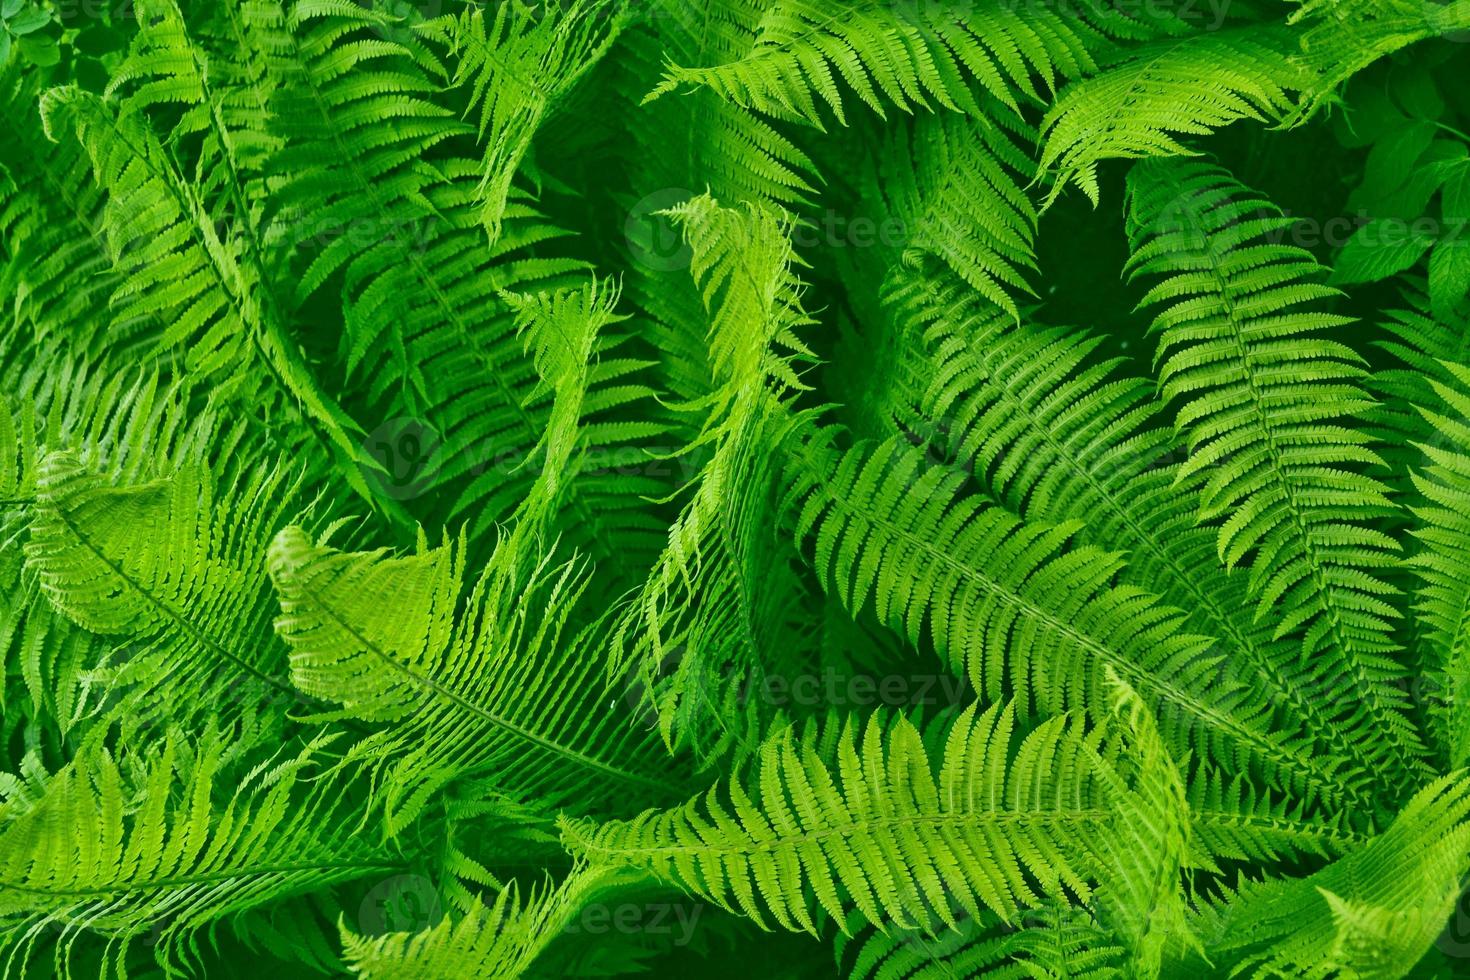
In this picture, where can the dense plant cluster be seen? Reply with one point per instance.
(781, 488)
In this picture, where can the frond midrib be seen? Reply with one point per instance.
(1303, 766)
(203, 878)
(1407, 760)
(469, 707)
(959, 819)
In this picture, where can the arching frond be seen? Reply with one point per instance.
(715, 607)
(909, 55)
(190, 269)
(1373, 912)
(1443, 603)
(1146, 105)
(167, 856)
(1016, 611)
(493, 682)
(998, 823)
(1264, 400)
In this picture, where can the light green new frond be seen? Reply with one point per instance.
(909, 54)
(517, 65)
(499, 941)
(1342, 37)
(1266, 401)
(189, 610)
(678, 147)
(742, 261)
(1163, 93)
(160, 856)
(1001, 823)
(1443, 605)
(561, 330)
(125, 424)
(493, 682)
(1372, 913)
(716, 607)
(584, 478)
(1019, 613)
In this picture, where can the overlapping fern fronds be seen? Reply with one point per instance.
(568, 488)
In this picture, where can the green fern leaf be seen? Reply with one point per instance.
(1278, 458)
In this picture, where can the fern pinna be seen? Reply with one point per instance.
(889, 489)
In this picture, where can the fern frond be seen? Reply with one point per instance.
(719, 599)
(1149, 103)
(517, 68)
(1443, 605)
(1005, 811)
(1232, 820)
(1425, 348)
(1373, 912)
(1342, 37)
(593, 393)
(496, 681)
(183, 852)
(103, 420)
(907, 54)
(1014, 610)
(949, 185)
(698, 141)
(427, 321)
(188, 615)
(1265, 402)
(500, 940)
(1057, 435)
(181, 267)
(57, 276)
(999, 823)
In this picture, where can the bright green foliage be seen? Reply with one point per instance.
(897, 489)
